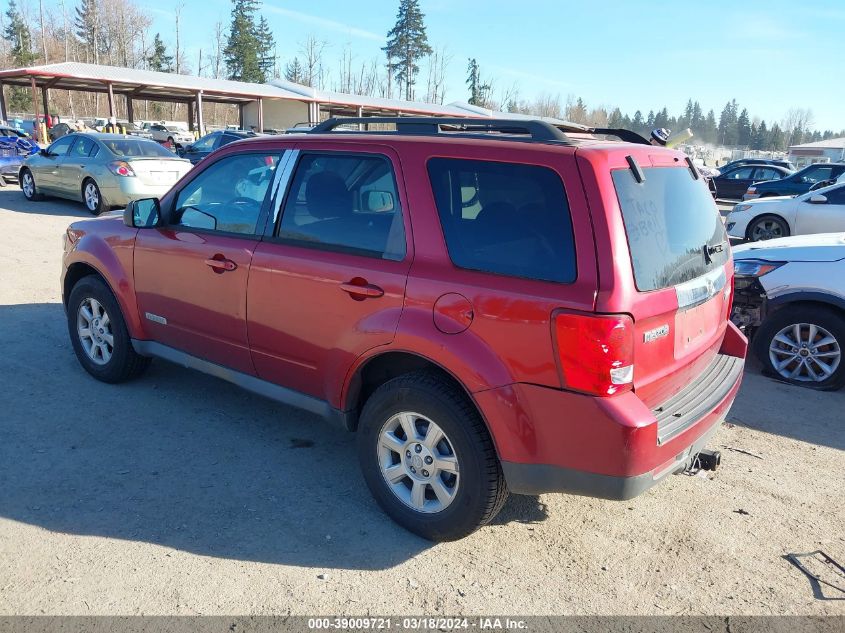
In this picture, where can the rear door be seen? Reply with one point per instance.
(675, 276)
(328, 282)
(191, 274)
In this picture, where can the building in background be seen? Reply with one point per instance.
(829, 151)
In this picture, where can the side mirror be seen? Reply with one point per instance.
(142, 214)
(377, 201)
(817, 199)
(45, 152)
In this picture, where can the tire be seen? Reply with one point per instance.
(767, 227)
(30, 192)
(119, 362)
(770, 345)
(474, 478)
(92, 198)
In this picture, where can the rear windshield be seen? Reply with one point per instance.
(674, 230)
(131, 147)
(504, 218)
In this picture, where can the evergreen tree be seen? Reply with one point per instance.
(649, 122)
(637, 122)
(743, 129)
(697, 118)
(18, 35)
(407, 43)
(158, 59)
(761, 137)
(295, 72)
(661, 119)
(266, 48)
(796, 137)
(686, 120)
(777, 140)
(478, 91)
(242, 48)
(727, 124)
(87, 23)
(616, 120)
(709, 131)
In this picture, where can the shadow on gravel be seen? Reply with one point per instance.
(803, 414)
(182, 460)
(12, 199)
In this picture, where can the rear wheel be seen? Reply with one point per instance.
(99, 335)
(92, 197)
(803, 345)
(28, 186)
(767, 227)
(428, 459)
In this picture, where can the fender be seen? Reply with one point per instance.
(113, 260)
(465, 356)
(804, 295)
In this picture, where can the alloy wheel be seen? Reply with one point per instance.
(418, 462)
(28, 185)
(805, 352)
(767, 230)
(92, 196)
(94, 329)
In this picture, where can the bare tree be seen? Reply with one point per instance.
(312, 52)
(438, 62)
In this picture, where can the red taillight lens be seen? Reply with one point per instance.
(596, 352)
(121, 168)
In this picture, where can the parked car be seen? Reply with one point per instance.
(15, 146)
(8, 130)
(558, 320)
(796, 184)
(733, 183)
(101, 170)
(59, 130)
(757, 161)
(176, 136)
(790, 298)
(820, 211)
(134, 129)
(201, 148)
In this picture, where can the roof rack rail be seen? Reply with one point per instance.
(429, 126)
(536, 129)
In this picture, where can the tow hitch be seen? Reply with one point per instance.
(704, 460)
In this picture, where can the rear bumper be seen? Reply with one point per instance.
(126, 189)
(615, 448)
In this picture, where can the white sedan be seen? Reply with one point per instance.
(819, 211)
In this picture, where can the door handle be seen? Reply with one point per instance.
(359, 289)
(221, 264)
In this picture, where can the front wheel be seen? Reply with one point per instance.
(803, 345)
(767, 227)
(98, 333)
(428, 459)
(28, 186)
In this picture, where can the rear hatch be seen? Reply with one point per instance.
(675, 279)
(157, 172)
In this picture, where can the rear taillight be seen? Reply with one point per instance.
(121, 168)
(596, 352)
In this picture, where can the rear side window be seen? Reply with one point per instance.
(504, 218)
(674, 231)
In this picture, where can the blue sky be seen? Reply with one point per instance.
(770, 55)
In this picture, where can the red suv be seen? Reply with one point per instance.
(494, 306)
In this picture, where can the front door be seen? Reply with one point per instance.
(329, 284)
(72, 165)
(46, 168)
(821, 217)
(191, 273)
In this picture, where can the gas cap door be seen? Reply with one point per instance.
(453, 313)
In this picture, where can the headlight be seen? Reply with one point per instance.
(754, 267)
(741, 207)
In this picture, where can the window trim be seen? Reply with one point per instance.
(554, 171)
(260, 222)
(297, 157)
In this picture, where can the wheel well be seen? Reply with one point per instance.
(74, 274)
(377, 371)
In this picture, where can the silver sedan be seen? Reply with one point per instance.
(101, 170)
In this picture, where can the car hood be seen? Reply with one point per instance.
(764, 201)
(819, 247)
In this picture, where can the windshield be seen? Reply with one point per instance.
(173, 128)
(129, 148)
(674, 230)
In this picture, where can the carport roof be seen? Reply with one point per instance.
(142, 84)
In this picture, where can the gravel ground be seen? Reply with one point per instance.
(180, 494)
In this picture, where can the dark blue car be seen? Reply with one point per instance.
(13, 150)
(798, 183)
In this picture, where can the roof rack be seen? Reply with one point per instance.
(536, 129)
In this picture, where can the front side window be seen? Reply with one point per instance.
(206, 144)
(60, 147)
(228, 195)
(836, 196)
(347, 203)
(504, 218)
